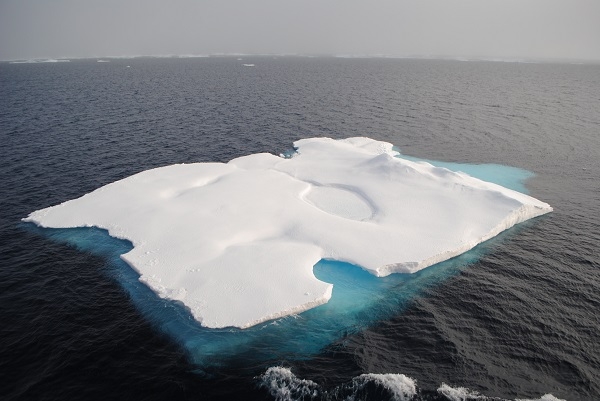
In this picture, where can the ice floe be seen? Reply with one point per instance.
(236, 242)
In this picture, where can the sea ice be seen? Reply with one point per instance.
(236, 242)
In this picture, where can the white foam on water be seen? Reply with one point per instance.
(465, 394)
(545, 397)
(236, 243)
(401, 387)
(459, 393)
(283, 385)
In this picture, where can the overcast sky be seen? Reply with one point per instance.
(533, 29)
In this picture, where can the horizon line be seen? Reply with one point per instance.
(312, 55)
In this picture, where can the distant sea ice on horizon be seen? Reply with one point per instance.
(236, 242)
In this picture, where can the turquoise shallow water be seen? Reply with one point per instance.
(359, 299)
(507, 176)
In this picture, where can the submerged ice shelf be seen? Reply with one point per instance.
(236, 243)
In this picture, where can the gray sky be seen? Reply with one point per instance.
(532, 29)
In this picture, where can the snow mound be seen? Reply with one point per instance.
(236, 242)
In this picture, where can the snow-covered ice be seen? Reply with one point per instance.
(236, 242)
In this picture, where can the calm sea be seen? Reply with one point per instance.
(516, 318)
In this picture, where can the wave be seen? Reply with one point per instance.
(283, 385)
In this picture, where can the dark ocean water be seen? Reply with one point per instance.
(518, 318)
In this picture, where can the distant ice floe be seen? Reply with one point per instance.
(283, 385)
(439, 57)
(236, 242)
(36, 61)
(191, 56)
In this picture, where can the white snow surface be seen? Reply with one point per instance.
(236, 242)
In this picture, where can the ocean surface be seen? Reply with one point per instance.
(518, 317)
